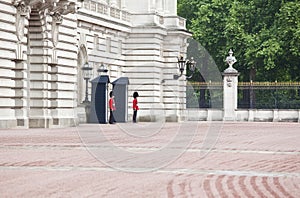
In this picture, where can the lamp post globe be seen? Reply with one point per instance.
(181, 64)
(102, 69)
(191, 64)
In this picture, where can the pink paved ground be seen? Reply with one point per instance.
(241, 160)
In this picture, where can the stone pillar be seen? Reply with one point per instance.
(40, 71)
(52, 82)
(174, 90)
(21, 68)
(230, 84)
(145, 76)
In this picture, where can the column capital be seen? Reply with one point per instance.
(23, 7)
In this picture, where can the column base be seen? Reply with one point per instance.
(229, 119)
(7, 124)
(52, 122)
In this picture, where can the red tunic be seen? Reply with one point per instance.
(112, 105)
(135, 106)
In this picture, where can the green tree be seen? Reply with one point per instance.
(187, 9)
(264, 35)
(288, 23)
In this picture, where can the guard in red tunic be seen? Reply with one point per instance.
(112, 108)
(135, 106)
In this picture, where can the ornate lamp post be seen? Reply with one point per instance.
(87, 74)
(191, 64)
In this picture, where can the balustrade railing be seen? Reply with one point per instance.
(105, 9)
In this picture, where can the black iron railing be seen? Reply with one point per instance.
(251, 95)
(205, 95)
(269, 95)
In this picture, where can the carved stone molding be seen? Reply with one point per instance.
(53, 8)
(56, 21)
(36, 3)
(62, 6)
(65, 7)
(229, 81)
(23, 10)
(57, 18)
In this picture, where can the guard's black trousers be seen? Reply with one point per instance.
(134, 115)
(111, 118)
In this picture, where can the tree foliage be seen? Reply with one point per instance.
(264, 35)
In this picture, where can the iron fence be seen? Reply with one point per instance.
(269, 95)
(205, 95)
(251, 95)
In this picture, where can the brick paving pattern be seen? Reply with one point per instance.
(242, 160)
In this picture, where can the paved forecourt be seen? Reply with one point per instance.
(189, 159)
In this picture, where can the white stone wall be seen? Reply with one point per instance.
(250, 115)
(144, 50)
(41, 56)
(148, 6)
(40, 61)
(103, 37)
(13, 76)
(52, 71)
(144, 65)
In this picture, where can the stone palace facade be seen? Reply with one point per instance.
(45, 43)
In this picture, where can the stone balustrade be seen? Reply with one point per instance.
(108, 10)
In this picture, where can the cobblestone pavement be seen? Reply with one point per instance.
(202, 159)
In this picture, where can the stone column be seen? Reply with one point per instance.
(51, 89)
(230, 92)
(174, 90)
(144, 71)
(21, 67)
(39, 114)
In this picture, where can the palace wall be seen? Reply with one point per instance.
(44, 46)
